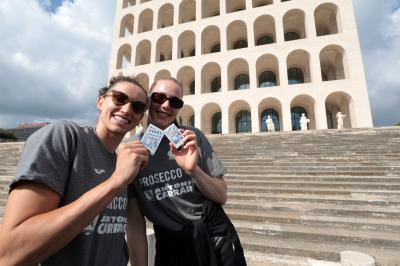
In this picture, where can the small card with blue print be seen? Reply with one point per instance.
(174, 135)
(152, 138)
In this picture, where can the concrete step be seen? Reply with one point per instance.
(328, 235)
(315, 249)
(395, 186)
(337, 168)
(315, 209)
(345, 200)
(315, 172)
(314, 191)
(310, 178)
(353, 223)
(261, 259)
(315, 163)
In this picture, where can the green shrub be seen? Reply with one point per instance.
(7, 135)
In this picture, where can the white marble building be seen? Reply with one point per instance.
(241, 60)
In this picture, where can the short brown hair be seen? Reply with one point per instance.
(117, 79)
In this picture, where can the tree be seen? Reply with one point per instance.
(7, 135)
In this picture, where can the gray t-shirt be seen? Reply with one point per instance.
(71, 160)
(166, 194)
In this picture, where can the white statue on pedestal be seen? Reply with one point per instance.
(304, 121)
(339, 118)
(270, 124)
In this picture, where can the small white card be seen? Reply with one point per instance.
(174, 135)
(152, 138)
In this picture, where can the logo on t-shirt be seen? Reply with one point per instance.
(149, 195)
(89, 229)
(99, 171)
(111, 221)
(170, 156)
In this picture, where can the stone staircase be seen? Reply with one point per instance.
(300, 198)
(313, 194)
(9, 156)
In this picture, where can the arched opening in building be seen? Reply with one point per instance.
(187, 11)
(143, 51)
(209, 121)
(165, 16)
(298, 67)
(238, 75)
(267, 71)
(164, 49)
(294, 25)
(145, 21)
(264, 30)
(124, 56)
(234, 6)
(274, 115)
(339, 102)
(186, 77)
(236, 35)
(243, 121)
(238, 123)
(302, 104)
(326, 17)
(210, 37)
(270, 107)
(126, 27)
(332, 63)
(208, 74)
(209, 8)
(186, 44)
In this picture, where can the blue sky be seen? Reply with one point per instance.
(56, 56)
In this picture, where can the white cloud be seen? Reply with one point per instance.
(52, 64)
(379, 29)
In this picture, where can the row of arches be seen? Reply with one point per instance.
(231, 5)
(239, 114)
(326, 18)
(333, 66)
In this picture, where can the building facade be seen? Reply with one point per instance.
(242, 60)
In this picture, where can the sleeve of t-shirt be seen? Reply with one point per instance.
(208, 159)
(47, 157)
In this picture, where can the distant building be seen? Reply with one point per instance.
(240, 61)
(23, 131)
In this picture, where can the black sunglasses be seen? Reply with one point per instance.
(120, 99)
(161, 98)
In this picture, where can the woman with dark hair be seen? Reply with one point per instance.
(67, 202)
